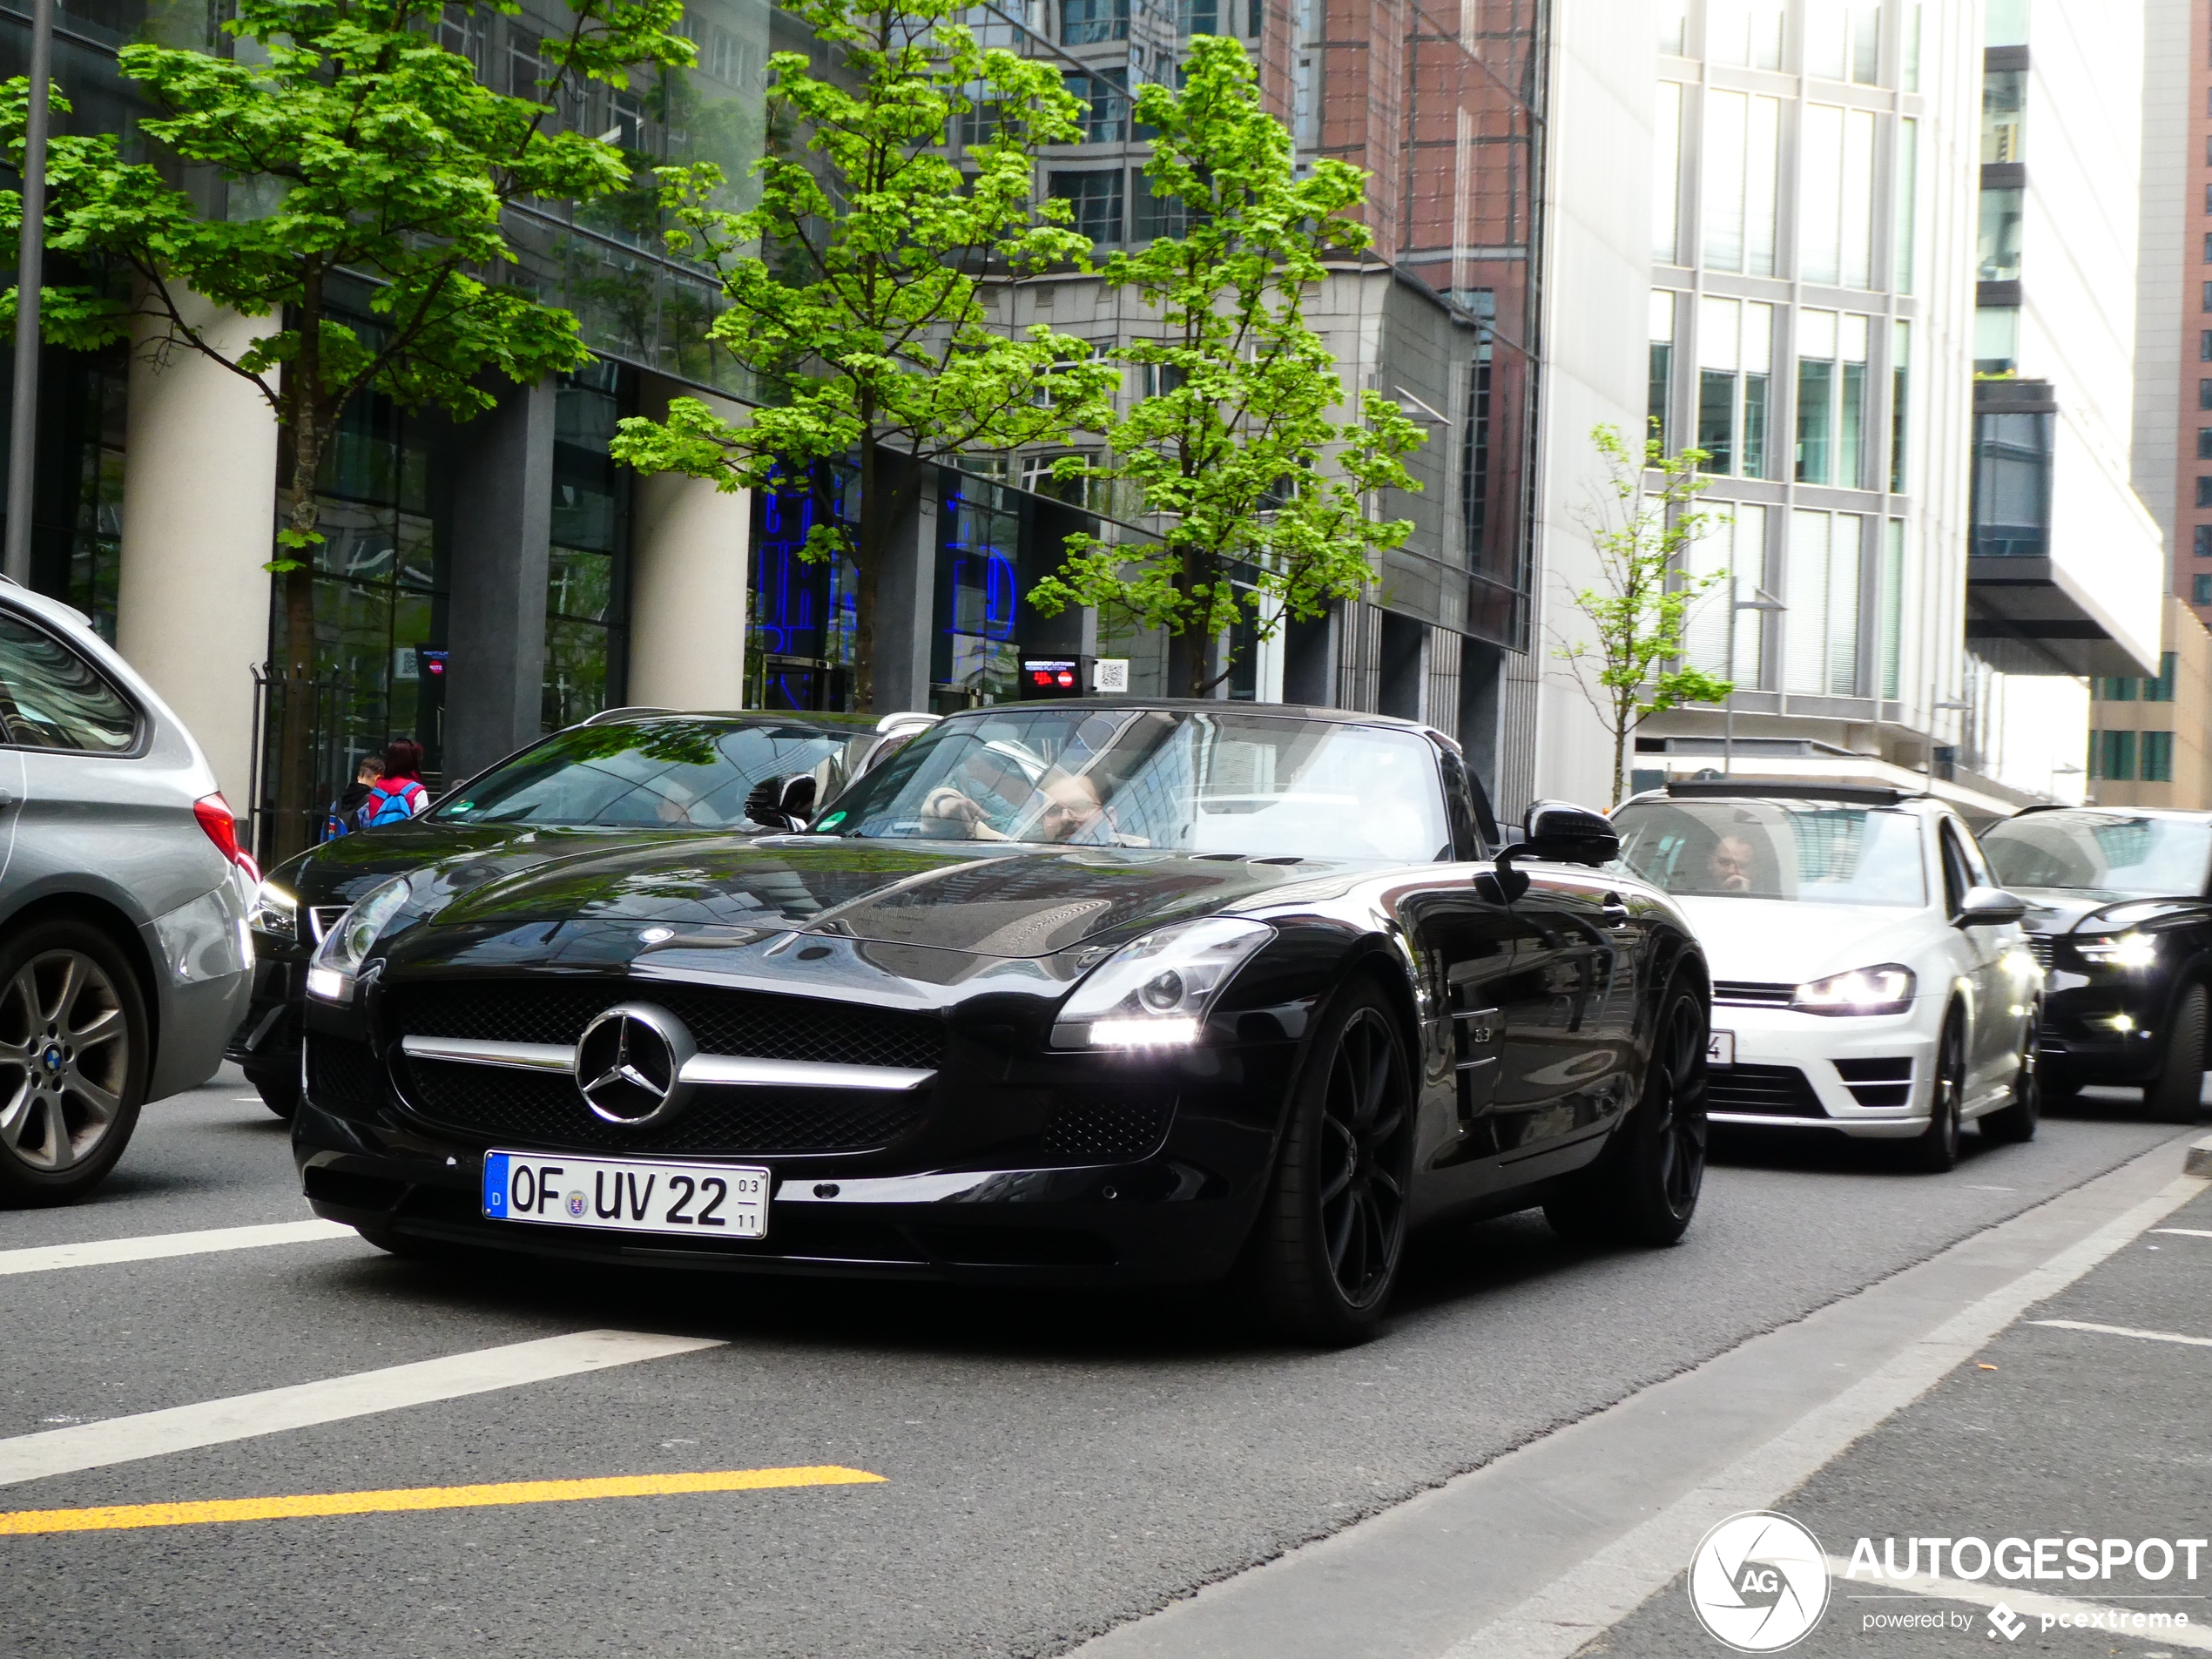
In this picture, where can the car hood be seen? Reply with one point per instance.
(1780, 942)
(2060, 910)
(340, 871)
(1012, 901)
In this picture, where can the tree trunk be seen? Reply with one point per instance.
(298, 698)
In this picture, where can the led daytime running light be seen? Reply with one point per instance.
(1885, 990)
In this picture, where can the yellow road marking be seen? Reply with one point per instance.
(122, 1516)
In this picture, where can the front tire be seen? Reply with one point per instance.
(74, 1050)
(1935, 1152)
(2176, 1095)
(279, 1096)
(1643, 1188)
(1330, 1234)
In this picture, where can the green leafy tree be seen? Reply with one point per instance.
(1634, 666)
(1259, 498)
(852, 285)
(358, 151)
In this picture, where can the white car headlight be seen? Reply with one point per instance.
(1155, 991)
(1887, 989)
(2127, 950)
(274, 912)
(346, 946)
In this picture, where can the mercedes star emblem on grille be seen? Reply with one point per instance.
(629, 1064)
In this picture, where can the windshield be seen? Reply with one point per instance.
(669, 774)
(1740, 849)
(2122, 853)
(1231, 782)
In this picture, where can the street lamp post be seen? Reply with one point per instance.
(1761, 600)
(30, 257)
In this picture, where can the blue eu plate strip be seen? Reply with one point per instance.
(496, 1185)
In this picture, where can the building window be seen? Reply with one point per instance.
(2201, 539)
(2117, 689)
(2205, 302)
(2012, 484)
(1841, 42)
(1085, 23)
(1998, 251)
(2158, 758)
(2112, 756)
(1816, 396)
(2208, 247)
(974, 659)
(1748, 35)
(1155, 215)
(2003, 101)
(2204, 443)
(1198, 17)
(1662, 365)
(1900, 364)
(2201, 590)
(1096, 198)
(2204, 492)
(1851, 446)
(1997, 340)
(1735, 354)
(1733, 550)
(2162, 689)
(584, 608)
(2204, 395)
(1835, 196)
(2208, 198)
(1666, 177)
(1821, 587)
(1104, 93)
(1891, 615)
(1908, 193)
(1742, 140)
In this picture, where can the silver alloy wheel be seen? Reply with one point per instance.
(65, 1059)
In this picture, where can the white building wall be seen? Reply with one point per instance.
(1597, 271)
(2160, 256)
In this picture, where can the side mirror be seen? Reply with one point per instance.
(782, 803)
(1558, 832)
(1990, 907)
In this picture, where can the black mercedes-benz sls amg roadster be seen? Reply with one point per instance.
(1082, 993)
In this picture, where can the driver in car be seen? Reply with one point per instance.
(1728, 869)
(1067, 807)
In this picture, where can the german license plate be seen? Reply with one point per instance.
(1720, 1049)
(634, 1195)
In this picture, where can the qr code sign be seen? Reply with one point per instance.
(1110, 674)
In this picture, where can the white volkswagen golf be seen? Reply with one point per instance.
(1868, 976)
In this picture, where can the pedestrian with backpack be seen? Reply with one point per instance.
(343, 816)
(397, 795)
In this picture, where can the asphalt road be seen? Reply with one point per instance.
(1052, 1465)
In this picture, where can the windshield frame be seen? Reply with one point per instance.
(895, 772)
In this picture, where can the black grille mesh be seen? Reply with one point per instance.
(343, 1072)
(1098, 1129)
(727, 1023)
(543, 1109)
(1766, 1091)
(2043, 947)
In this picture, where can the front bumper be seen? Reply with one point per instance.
(917, 1209)
(1869, 1077)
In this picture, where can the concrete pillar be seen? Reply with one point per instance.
(199, 524)
(691, 564)
(906, 603)
(499, 470)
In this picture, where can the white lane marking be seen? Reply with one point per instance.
(2033, 1604)
(244, 1417)
(1606, 1586)
(2126, 1331)
(2184, 1232)
(98, 1251)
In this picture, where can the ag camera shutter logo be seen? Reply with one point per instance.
(1759, 1582)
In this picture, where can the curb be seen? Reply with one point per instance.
(2199, 1162)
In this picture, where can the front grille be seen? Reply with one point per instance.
(1886, 1082)
(750, 1023)
(2043, 947)
(544, 1108)
(1752, 994)
(1102, 1128)
(1766, 1091)
(343, 1072)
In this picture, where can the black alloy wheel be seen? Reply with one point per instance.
(74, 1048)
(1643, 1189)
(2176, 1095)
(2016, 1122)
(1935, 1150)
(1330, 1234)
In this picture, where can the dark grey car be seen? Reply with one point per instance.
(123, 954)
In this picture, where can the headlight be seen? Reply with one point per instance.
(1155, 991)
(274, 912)
(1887, 989)
(346, 946)
(2128, 950)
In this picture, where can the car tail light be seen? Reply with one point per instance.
(214, 815)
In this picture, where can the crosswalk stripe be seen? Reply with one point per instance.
(97, 1252)
(2125, 1330)
(244, 1417)
(124, 1517)
(2185, 1232)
